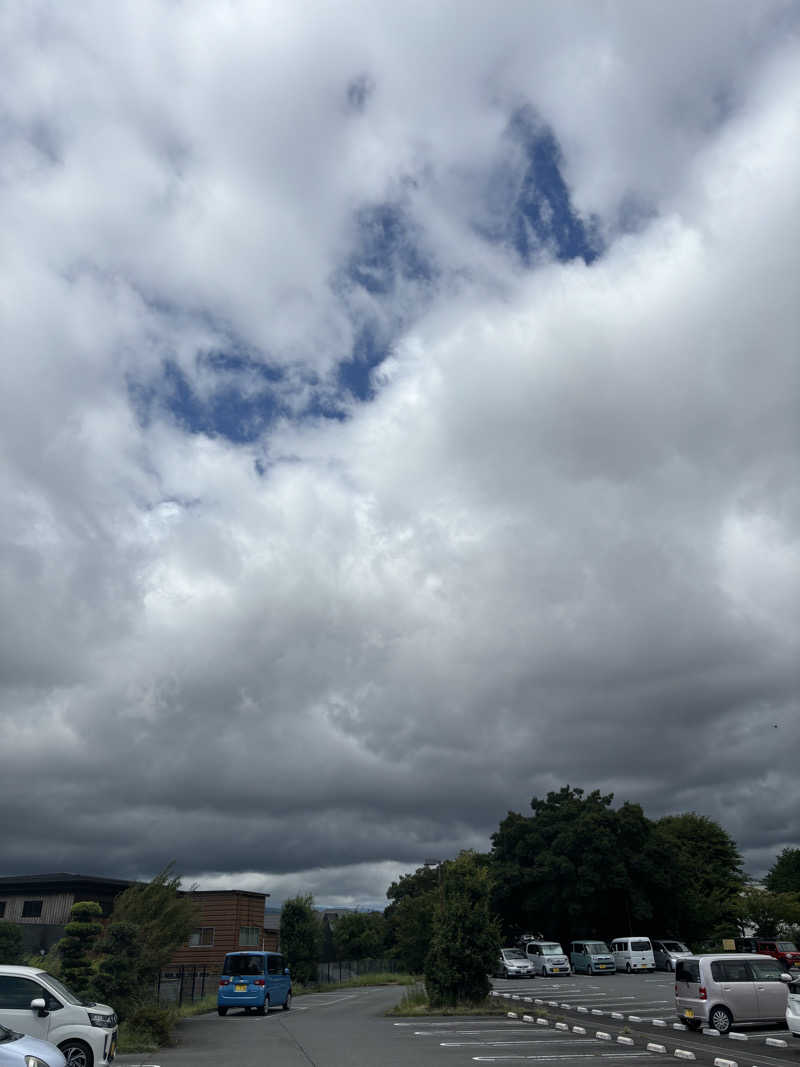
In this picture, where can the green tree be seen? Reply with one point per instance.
(466, 938)
(784, 874)
(10, 942)
(121, 978)
(411, 923)
(301, 938)
(701, 877)
(359, 936)
(576, 866)
(163, 916)
(77, 945)
(772, 914)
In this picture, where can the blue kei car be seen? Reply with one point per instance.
(253, 979)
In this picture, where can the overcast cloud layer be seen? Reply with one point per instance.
(344, 506)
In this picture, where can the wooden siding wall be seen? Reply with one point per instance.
(226, 913)
(55, 907)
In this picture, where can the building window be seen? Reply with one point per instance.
(31, 909)
(203, 936)
(249, 936)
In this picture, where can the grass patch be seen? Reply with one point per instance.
(378, 978)
(415, 1002)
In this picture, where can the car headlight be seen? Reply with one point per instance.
(106, 1021)
(34, 1061)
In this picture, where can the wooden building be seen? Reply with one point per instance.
(231, 920)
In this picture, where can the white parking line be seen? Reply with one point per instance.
(576, 1056)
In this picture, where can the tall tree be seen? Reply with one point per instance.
(703, 878)
(574, 867)
(784, 874)
(466, 938)
(359, 936)
(770, 914)
(409, 916)
(301, 938)
(164, 918)
(77, 945)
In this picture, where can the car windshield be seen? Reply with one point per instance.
(512, 954)
(552, 948)
(596, 948)
(787, 946)
(674, 946)
(62, 990)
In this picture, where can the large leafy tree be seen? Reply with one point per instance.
(301, 938)
(359, 936)
(784, 874)
(466, 938)
(702, 877)
(770, 914)
(575, 867)
(409, 916)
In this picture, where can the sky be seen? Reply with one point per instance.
(399, 421)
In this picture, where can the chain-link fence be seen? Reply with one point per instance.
(344, 970)
(186, 984)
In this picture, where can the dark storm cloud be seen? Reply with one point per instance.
(346, 505)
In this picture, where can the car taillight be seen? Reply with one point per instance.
(702, 993)
(258, 981)
(224, 981)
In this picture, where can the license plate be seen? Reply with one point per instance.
(601, 966)
(689, 1014)
(240, 989)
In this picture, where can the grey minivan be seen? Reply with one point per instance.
(667, 953)
(593, 957)
(730, 988)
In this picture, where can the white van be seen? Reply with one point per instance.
(633, 954)
(34, 1002)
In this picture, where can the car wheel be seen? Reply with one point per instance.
(222, 1011)
(721, 1019)
(627, 968)
(77, 1054)
(262, 1009)
(288, 1002)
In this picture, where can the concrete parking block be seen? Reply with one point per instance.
(684, 1054)
(737, 1037)
(542, 1022)
(622, 1040)
(711, 1031)
(562, 1026)
(579, 1029)
(720, 1061)
(653, 1046)
(601, 1035)
(777, 1042)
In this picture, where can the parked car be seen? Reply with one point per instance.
(593, 957)
(633, 954)
(667, 953)
(729, 988)
(785, 951)
(793, 1009)
(547, 957)
(254, 980)
(513, 963)
(20, 1050)
(33, 1002)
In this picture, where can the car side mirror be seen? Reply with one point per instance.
(38, 1005)
(786, 978)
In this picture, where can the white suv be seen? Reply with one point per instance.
(34, 1002)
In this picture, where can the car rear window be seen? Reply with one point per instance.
(243, 964)
(640, 946)
(687, 971)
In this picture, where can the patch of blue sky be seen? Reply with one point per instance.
(387, 281)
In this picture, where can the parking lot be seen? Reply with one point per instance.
(648, 997)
